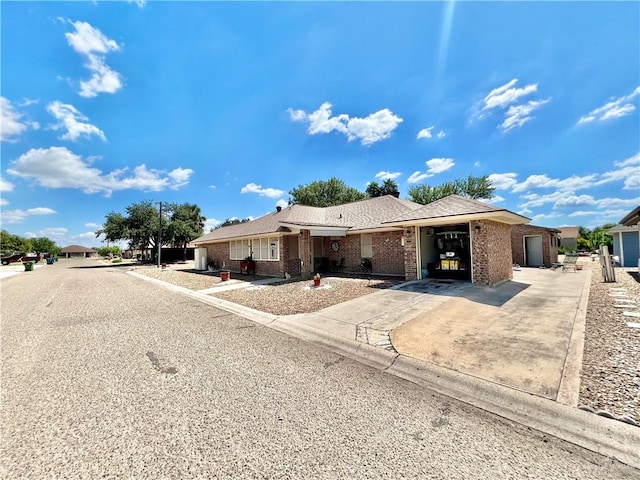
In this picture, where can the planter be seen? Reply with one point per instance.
(316, 282)
(224, 276)
(28, 266)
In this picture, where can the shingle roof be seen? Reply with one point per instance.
(362, 215)
(450, 206)
(77, 249)
(369, 214)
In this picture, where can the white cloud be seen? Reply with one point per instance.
(417, 177)
(425, 133)
(94, 45)
(264, 192)
(140, 3)
(369, 130)
(71, 120)
(213, 186)
(543, 216)
(282, 203)
(439, 165)
(492, 200)
(615, 108)
(5, 185)
(441, 134)
(509, 97)
(210, 224)
(180, 177)
(54, 233)
(518, 115)
(57, 167)
(574, 201)
(3, 202)
(384, 175)
(617, 202)
(19, 215)
(507, 94)
(11, 123)
(92, 225)
(25, 102)
(627, 170)
(543, 181)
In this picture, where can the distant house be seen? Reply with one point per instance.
(534, 246)
(626, 239)
(453, 237)
(78, 251)
(569, 238)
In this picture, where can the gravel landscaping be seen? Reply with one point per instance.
(284, 298)
(610, 379)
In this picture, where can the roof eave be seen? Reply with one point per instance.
(502, 216)
(632, 218)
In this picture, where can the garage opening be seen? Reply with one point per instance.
(445, 252)
(533, 251)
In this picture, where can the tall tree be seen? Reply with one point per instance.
(10, 243)
(388, 187)
(231, 221)
(472, 187)
(185, 223)
(45, 245)
(325, 193)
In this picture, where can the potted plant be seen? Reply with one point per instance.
(316, 280)
(248, 266)
(366, 265)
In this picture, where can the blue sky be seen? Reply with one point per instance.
(230, 105)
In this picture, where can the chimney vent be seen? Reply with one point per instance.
(278, 208)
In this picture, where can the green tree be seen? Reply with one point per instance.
(185, 223)
(388, 187)
(231, 221)
(591, 240)
(471, 187)
(45, 245)
(104, 251)
(325, 193)
(10, 243)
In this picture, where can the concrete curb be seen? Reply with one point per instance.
(607, 437)
(598, 434)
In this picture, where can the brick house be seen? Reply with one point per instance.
(78, 251)
(534, 246)
(453, 237)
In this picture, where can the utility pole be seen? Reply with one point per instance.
(159, 233)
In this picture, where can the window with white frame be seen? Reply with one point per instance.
(266, 248)
(239, 249)
(366, 245)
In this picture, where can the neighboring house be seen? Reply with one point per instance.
(569, 238)
(78, 251)
(626, 239)
(453, 237)
(534, 246)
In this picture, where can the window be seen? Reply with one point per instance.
(267, 248)
(239, 249)
(366, 245)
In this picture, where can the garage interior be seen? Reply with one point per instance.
(445, 252)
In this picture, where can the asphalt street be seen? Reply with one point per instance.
(105, 375)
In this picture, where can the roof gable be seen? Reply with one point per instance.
(452, 206)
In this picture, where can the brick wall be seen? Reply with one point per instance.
(386, 248)
(219, 253)
(410, 253)
(491, 252)
(549, 245)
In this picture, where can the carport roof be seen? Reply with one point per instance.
(453, 209)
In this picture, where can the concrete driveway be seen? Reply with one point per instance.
(517, 334)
